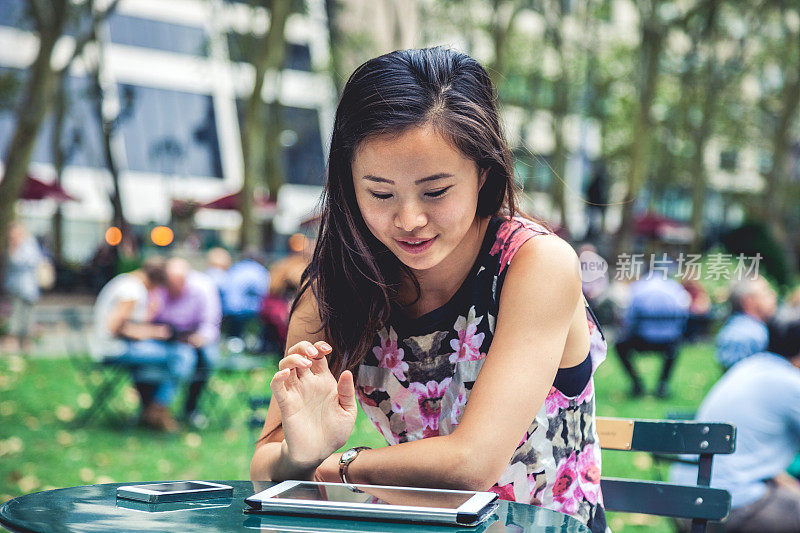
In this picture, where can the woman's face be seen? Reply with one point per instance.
(417, 193)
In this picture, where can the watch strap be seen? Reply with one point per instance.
(345, 464)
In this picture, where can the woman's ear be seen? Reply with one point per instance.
(484, 172)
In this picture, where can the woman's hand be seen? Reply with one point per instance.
(317, 412)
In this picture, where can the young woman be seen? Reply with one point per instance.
(461, 330)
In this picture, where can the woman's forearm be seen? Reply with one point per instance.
(271, 462)
(436, 462)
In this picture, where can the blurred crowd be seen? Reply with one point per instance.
(169, 320)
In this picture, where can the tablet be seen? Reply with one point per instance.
(375, 502)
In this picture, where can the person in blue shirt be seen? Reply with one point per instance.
(244, 287)
(655, 321)
(753, 302)
(760, 395)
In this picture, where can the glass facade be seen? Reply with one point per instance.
(303, 160)
(14, 13)
(169, 132)
(240, 45)
(81, 139)
(159, 35)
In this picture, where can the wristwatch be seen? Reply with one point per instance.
(348, 457)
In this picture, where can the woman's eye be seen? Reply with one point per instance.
(435, 194)
(380, 196)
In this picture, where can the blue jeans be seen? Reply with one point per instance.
(173, 361)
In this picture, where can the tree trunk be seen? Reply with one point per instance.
(269, 55)
(59, 160)
(773, 208)
(107, 128)
(30, 114)
(651, 47)
(332, 10)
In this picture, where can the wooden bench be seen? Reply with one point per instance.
(699, 503)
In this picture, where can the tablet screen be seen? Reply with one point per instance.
(375, 495)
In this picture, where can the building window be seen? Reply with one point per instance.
(14, 13)
(81, 139)
(169, 132)
(242, 45)
(728, 160)
(298, 57)
(134, 31)
(303, 160)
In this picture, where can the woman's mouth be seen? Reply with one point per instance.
(415, 246)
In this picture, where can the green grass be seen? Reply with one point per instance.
(41, 449)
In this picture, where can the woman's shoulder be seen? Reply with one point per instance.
(515, 236)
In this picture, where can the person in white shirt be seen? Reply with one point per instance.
(122, 330)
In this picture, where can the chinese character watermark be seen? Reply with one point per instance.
(716, 266)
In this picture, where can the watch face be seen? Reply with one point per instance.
(348, 455)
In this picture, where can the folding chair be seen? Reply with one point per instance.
(700, 503)
(103, 379)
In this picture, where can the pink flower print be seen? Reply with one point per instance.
(468, 344)
(504, 492)
(429, 397)
(397, 408)
(509, 240)
(389, 355)
(589, 471)
(504, 233)
(458, 407)
(566, 490)
(555, 401)
(587, 394)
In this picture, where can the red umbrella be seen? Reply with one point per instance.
(34, 189)
(653, 225)
(233, 201)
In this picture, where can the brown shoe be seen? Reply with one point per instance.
(158, 417)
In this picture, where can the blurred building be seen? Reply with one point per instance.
(175, 73)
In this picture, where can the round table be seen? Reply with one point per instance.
(96, 508)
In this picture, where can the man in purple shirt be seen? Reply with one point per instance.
(190, 305)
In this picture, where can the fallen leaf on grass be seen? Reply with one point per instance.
(16, 364)
(86, 474)
(11, 445)
(104, 479)
(193, 440)
(32, 422)
(164, 466)
(8, 408)
(64, 438)
(643, 461)
(84, 400)
(65, 413)
(28, 484)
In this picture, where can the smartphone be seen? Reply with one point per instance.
(176, 491)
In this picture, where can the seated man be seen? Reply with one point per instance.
(654, 321)
(760, 395)
(190, 305)
(245, 285)
(121, 331)
(753, 302)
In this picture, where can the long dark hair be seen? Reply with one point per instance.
(352, 275)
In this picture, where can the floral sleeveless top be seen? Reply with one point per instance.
(418, 377)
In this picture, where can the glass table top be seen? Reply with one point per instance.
(96, 508)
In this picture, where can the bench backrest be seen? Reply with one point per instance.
(696, 502)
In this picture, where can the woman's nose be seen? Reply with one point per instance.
(410, 217)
